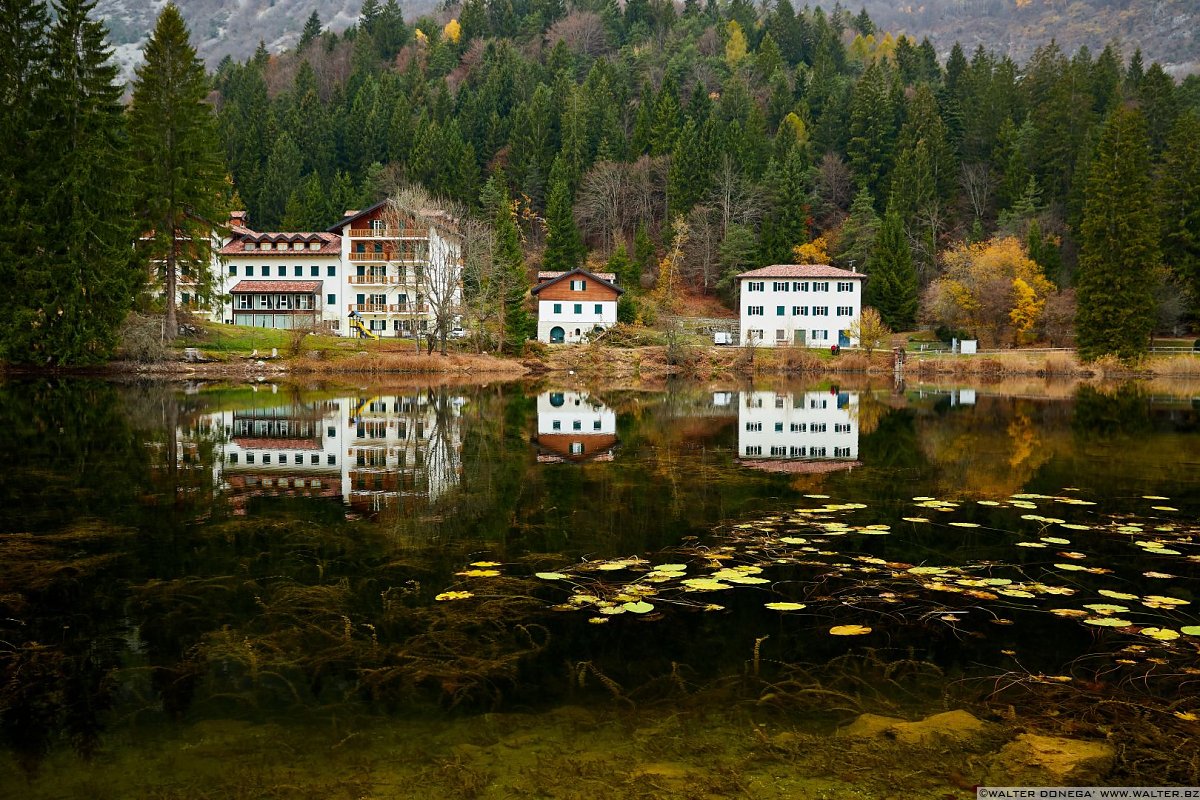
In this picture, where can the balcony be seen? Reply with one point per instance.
(388, 233)
(408, 308)
(371, 280)
(369, 308)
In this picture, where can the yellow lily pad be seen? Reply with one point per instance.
(965, 524)
(485, 563)
(640, 607)
(785, 606)
(1162, 634)
(1118, 595)
(453, 596)
(849, 630)
(1108, 622)
(550, 576)
(479, 573)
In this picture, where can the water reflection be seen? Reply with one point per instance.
(797, 432)
(372, 452)
(574, 426)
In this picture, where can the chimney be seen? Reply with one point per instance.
(237, 219)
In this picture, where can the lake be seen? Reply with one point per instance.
(543, 590)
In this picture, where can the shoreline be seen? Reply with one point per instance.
(651, 362)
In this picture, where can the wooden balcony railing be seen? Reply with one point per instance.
(388, 233)
(371, 280)
(408, 308)
(369, 308)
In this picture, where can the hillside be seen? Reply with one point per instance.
(1165, 30)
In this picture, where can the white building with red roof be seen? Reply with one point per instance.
(801, 305)
(281, 280)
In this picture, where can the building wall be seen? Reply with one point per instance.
(583, 322)
(808, 425)
(818, 330)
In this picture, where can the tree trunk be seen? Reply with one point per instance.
(172, 321)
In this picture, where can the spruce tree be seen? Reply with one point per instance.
(180, 174)
(1119, 246)
(1179, 193)
(891, 276)
(279, 181)
(856, 242)
(312, 29)
(564, 250)
(510, 269)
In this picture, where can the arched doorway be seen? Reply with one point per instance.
(557, 335)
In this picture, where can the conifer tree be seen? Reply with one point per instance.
(517, 325)
(312, 29)
(1119, 246)
(280, 179)
(788, 225)
(892, 277)
(643, 255)
(564, 250)
(1179, 190)
(856, 242)
(180, 175)
(620, 265)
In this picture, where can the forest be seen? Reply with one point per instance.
(1053, 201)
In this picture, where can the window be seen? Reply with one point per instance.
(756, 450)
(576, 448)
(799, 311)
(779, 402)
(779, 451)
(841, 452)
(817, 427)
(756, 286)
(781, 336)
(314, 271)
(754, 335)
(780, 286)
(249, 458)
(800, 286)
(285, 302)
(577, 425)
(297, 245)
(331, 299)
(331, 271)
(298, 271)
(819, 336)
(249, 270)
(331, 460)
(304, 302)
(578, 286)
(314, 459)
(599, 308)
(798, 452)
(579, 308)
(558, 308)
(845, 286)
(818, 403)
(314, 245)
(845, 311)
(780, 311)
(817, 452)
(243, 302)
(233, 269)
(753, 427)
(799, 427)
(820, 286)
(779, 427)
(266, 458)
(820, 311)
(754, 311)
(596, 425)
(186, 298)
(233, 458)
(841, 427)
(249, 246)
(299, 458)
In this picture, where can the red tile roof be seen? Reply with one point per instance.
(798, 467)
(331, 244)
(611, 277)
(802, 271)
(302, 287)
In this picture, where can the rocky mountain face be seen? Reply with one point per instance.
(1165, 30)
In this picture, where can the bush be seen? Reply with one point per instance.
(536, 349)
(141, 339)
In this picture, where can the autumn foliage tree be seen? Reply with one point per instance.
(993, 289)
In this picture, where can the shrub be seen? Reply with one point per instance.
(141, 339)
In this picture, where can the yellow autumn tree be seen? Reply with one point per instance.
(735, 43)
(992, 289)
(666, 288)
(794, 125)
(452, 31)
(814, 252)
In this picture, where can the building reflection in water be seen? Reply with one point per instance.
(372, 453)
(574, 426)
(797, 432)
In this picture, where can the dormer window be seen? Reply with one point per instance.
(314, 245)
(298, 245)
(578, 286)
(249, 246)
(267, 246)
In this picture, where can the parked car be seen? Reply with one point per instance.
(722, 337)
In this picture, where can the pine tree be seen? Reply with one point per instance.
(180, 173)
(892, 277)
(564, 250)
(643, 255)
(620, 265)
(872, 128)
(690, 173)
(788, 226)
(518, 326)
(1179, 193)
(856, 242)
(312, 29)
(1119, 246)
(279, 181)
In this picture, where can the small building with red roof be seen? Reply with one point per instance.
(574, 304)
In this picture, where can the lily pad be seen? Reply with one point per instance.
(785, 606)
(849, 630)
(1108, 622)
(1162, 634)
(640, 607)
(453, 596)
(550, 576)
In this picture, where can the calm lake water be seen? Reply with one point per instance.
(516, 590)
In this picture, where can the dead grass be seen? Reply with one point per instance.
(407, 363)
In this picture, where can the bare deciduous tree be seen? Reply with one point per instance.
(977, 183)
(581, 31)
(833, 191)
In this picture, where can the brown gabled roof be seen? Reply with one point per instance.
(578, 271)
(798, 467)
(284, 287)
(331, 244)
(802, 271)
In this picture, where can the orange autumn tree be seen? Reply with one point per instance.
(993, 289)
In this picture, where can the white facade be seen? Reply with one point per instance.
(373, 453)
(574, 426)
(800, 306)
(573, 320)
(804, 425)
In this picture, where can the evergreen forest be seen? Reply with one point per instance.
(1056, 201)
